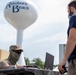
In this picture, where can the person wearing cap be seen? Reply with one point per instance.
(14, 55)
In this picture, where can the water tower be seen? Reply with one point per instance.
(20, 14)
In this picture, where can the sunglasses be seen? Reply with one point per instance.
(18, 51)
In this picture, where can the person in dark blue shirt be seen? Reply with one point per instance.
(72, 24)
(70, 52)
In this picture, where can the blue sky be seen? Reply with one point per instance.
(44, 35)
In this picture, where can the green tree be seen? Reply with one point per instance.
(27, 61)
(38, 62)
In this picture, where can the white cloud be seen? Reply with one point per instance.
(61, 37)
(7, 33)
(51, 9)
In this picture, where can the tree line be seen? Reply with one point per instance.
(36, 62)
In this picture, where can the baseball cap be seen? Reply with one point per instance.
(15, 47)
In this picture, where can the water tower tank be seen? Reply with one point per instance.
(20, 14)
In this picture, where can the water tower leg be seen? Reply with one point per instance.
(21, 60)
(19, 42)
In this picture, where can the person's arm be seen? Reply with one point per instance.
(4, 65)
(71, 42)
